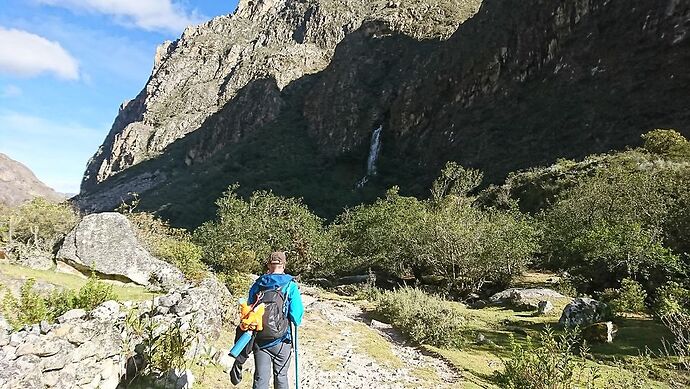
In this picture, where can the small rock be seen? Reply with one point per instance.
(106, 311)
(182, 308)
(45, 327)
(600, 332)
(544, 307)
(72, 314)
(50, 378)
(380, 325)
(169, 300)
(480, 338)
(479, 304)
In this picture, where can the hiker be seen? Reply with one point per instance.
(272, 346)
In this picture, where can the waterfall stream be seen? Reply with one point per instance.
(374, 150)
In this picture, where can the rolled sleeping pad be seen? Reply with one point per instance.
(241, 344)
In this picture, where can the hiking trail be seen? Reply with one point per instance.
(338, 349)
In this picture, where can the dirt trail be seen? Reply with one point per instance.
(337, 349)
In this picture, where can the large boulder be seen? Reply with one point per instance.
(108, 244)
(584, 311)
(525, 298)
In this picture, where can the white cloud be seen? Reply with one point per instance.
(149, 15)
(10, 91)
(25, 54)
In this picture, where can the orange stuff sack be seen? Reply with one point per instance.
(251, 319)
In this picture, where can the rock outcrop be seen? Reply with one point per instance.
(584, 311)
(518, 84)
(196, 75)
(19, 184)
(107, 243)
(95, 349)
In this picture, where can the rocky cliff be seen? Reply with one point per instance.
(285, 95)
(19, 184)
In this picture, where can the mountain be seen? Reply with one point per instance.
(19, 184)
(285, 95)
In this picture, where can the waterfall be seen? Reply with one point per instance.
(374, 150)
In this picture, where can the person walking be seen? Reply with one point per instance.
(283, 305)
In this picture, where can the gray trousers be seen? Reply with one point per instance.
(274, 359)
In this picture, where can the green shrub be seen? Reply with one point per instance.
(246, 232)
(38, 223)
(423, 318)
(32, 308)
(610, 227)
(665, 142)
(88, 297)
(379, 236)
(672, 298)
(629, 298)
(445, 240)
(550, 364)
(173, 245)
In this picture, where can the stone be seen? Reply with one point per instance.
(107, 311)
(480, 338)
(72, 314)
(50, 378)
(380, 325)
(169, 300)
(55, 362)
(544, 307)
(181, 379)
(85, 350)
(603, 332)
(45, 327)
(583, 311)
(41, 347)
(36, 259)
(525, 294)
(108, 243)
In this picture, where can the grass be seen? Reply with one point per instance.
(70, 281)
(617, 364)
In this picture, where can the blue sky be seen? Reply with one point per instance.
(65, 67)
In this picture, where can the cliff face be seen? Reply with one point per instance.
(284, 40)
(19, 184)
(519, 84)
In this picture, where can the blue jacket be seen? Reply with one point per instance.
(293, 300)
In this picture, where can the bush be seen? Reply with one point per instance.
(379, 236)
(38, 223)
(423, 318)
(666, 142)
(445, 240)
(552, 364)
(33, 308)
(88, 297)
(173, 245)
(30, 308)
(630, 298)
(610, 227)
(672, 298)
(470, 248)
(246, 232)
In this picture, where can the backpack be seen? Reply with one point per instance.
(275, 321)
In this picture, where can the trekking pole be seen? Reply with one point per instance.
(294, 344)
